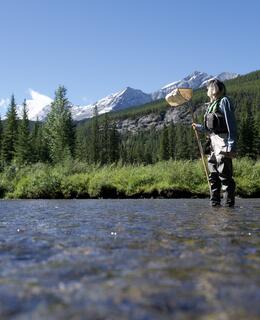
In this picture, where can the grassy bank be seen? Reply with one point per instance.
(79, 180)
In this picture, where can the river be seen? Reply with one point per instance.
(129, 259)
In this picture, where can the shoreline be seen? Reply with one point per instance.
(113, 195)
(164, 180)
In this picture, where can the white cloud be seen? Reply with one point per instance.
(4, 102)
(3, 107)
(37, 102)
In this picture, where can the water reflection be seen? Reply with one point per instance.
(129, 259)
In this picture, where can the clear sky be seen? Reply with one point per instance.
(98, 47)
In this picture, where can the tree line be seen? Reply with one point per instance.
(59, 138)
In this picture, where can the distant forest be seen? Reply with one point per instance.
(98, 141)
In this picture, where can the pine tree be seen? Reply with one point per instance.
(181, 143)
(82, 149)
(1, 137)
(104, 141)
(248, 136)
(257, 133)
(95, 143)
(59, 128)
(122, 151)
(39, 143)
(148, 148)
(10, 133)
(23, 149)
(192, 144)
(1, 144)
(34, 139)
(164, 144)
(114, 142)
(172, 137)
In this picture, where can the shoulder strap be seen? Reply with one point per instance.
(213, 107)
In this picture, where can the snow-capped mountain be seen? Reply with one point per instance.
(195, 80)
(227, 76)
(117, 101)
(39, 105)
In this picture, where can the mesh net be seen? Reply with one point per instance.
(179, 96)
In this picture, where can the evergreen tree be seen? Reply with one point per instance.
(39, 143)
(95, 143)
(1, 143)
(35, 143)
(172, 137)
(82, 151)
(59, 128)
(148, 147)
(164, 144)
(248, 136)
(1, 137)
(10, 133)
(23, 150)
(104, 141)
(192, 144)
(114, 141)
(257, 133)
(181, 143)
(123, 150)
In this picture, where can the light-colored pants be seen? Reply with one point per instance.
(220, 171)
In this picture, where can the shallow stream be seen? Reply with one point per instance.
(129, 259)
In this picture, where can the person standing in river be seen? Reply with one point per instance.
(220, 126)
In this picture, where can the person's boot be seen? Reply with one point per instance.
(229, 194)
(215, 204)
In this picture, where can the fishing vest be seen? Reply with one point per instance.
(214, 119)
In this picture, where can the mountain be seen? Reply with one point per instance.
(39, 105)
(195, 80)
(114, 102)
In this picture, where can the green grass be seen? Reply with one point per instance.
(81, 180)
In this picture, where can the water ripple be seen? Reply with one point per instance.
(129, 259)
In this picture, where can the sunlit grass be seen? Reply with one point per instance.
(81, 180)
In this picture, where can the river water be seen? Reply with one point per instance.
(129, 259)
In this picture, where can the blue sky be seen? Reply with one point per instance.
(98, 47)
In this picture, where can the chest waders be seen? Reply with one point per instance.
(220, 167)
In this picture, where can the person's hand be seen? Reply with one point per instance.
(194, 126)
(229, 155)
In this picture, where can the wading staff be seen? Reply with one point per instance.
(178, 97)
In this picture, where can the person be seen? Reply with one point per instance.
(220, 126)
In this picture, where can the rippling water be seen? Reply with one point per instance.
(129, 259)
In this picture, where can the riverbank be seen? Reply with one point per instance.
(168, 179)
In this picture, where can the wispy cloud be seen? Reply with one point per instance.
(3, 107)
(4, 102)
